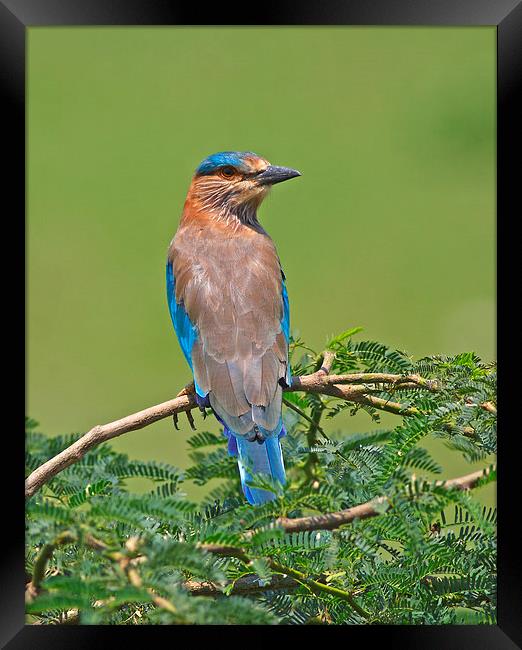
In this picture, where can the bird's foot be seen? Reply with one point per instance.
(175, 420)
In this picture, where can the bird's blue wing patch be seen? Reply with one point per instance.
(285, 321)
(285, 325)
(185, 330)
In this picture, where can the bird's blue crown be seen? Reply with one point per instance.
(235, 158)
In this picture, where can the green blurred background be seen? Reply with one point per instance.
(391, 226)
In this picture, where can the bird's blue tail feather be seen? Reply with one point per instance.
(265, 458)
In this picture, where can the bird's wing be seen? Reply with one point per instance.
(285, 325)
(231, 316)
(186, 332)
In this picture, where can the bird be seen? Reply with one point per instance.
(228, 302)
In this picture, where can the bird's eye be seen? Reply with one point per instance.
(228, 171)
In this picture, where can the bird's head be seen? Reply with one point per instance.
(235, 182)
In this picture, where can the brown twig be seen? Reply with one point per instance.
(327, 362)
(319, 380)
(243, 585)
(101, 433)
(333, 520)
(32, 588)
(387, 405)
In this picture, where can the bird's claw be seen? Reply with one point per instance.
(175, 420)
(191, 420)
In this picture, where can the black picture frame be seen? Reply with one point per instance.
(15, 17)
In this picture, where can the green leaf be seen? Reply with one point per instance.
(343, 336)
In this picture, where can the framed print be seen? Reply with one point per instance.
(260, 320)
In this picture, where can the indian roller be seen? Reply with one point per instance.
(229, 305)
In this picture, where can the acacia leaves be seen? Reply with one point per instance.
(98, 553)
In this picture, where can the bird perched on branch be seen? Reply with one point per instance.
(229, 306)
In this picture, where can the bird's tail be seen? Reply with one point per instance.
(259, 458)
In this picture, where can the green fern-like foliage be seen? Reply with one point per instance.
(99, 554)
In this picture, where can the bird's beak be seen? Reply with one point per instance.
(273, 175)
